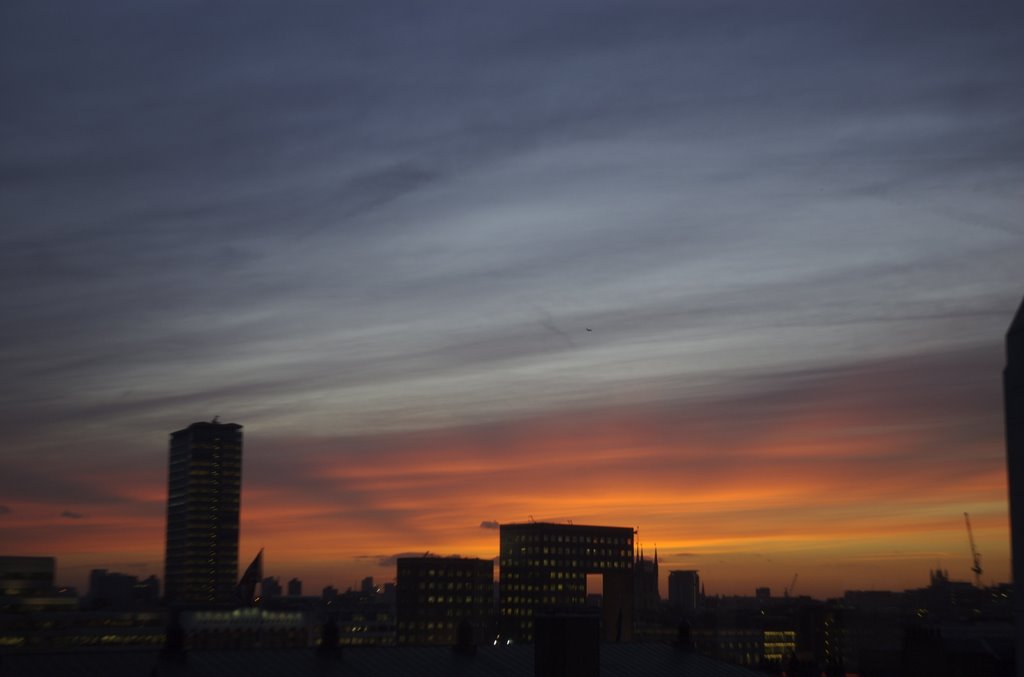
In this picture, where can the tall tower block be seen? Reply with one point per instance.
(204, 487)
(1013, 402)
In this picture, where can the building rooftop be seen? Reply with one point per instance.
(617, 660)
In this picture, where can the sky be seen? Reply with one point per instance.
(736, 274)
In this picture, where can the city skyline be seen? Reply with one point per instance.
(736, 274)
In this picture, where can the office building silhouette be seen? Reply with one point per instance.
(684, 591)
(203, 501)
(544, 569)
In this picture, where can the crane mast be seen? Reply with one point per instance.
(974, 552)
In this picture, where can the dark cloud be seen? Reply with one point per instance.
(5, 510)
(489, 524)
(70, 514)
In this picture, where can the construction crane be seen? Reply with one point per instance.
(974, 552)
(789, 591)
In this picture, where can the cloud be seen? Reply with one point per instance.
(489, 524)
(71, 515)
(5, 510)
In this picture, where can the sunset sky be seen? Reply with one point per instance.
(735, 273)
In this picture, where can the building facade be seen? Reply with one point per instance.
(544, 570)
(436, 594)
(203, 505)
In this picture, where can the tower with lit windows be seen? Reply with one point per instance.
(204, 487)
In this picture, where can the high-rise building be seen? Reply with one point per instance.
(544, 570)
(203, 500)
(295, 588)
(1013, 403)
(435, 595)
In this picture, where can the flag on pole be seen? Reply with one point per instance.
(252, 576)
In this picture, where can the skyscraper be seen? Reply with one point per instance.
(203, 500)
(1013, 402)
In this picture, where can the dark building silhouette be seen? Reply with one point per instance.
(1013, 402)
(646, 597)
(329, 595)
(203, 503)
(684, 591)
(27, 576)
(436, 594)
(26, 584)
(544, 569)
(295, 588)
(270, 587)
(111, 590)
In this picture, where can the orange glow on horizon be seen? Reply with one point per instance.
(847, 497)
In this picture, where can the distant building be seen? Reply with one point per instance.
(295, 588)
(26, 576)
(329, 595)
(436, 594)
(364, 618)
(684, 591)
(646, 597)
(270, 587)
(121, 592)
(26, 584)
(544, 569)
(203, 503)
